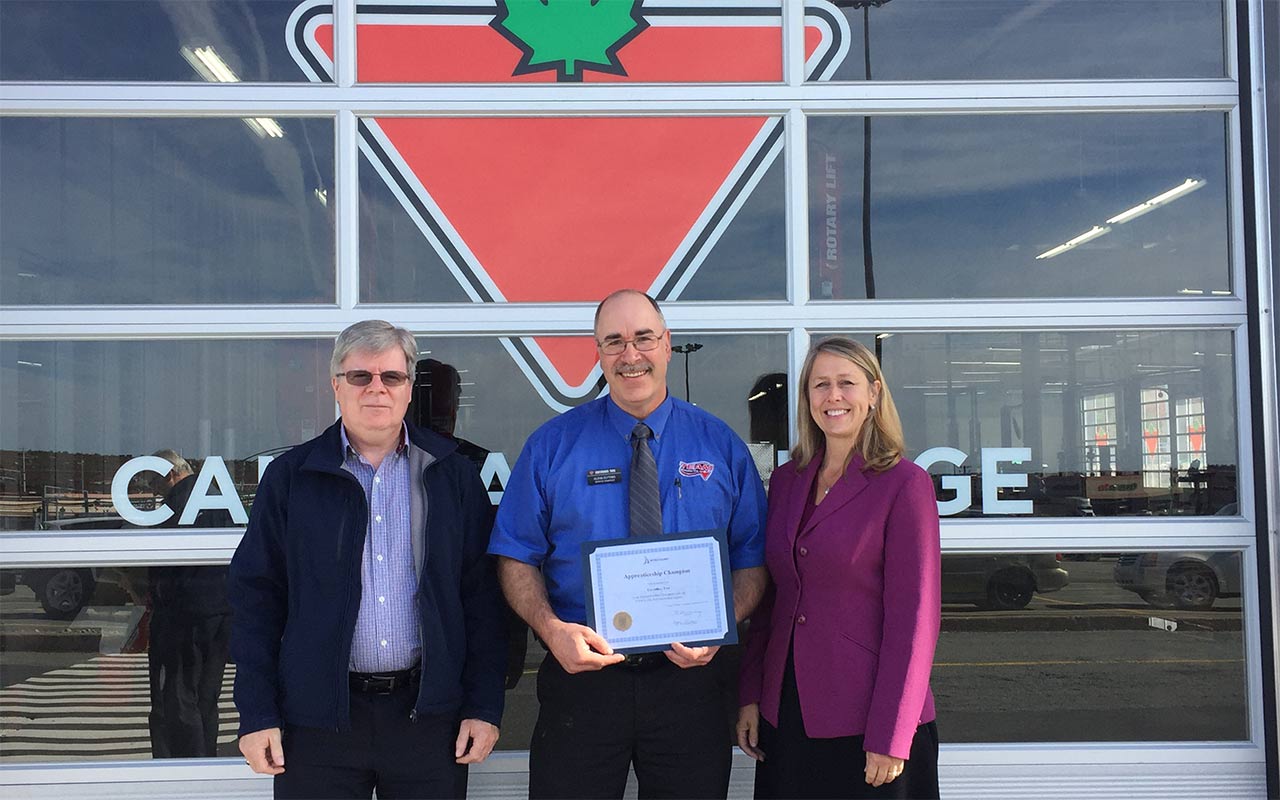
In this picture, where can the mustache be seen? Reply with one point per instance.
(646, 365)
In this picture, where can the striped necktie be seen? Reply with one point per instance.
(646, 506)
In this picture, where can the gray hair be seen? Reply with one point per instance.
(374, 336)
(179, 463)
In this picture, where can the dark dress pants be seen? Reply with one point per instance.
(592, 726)
(383, 751)
(796, 766)
(186, 658)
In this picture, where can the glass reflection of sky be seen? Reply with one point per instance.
(140, 40)
(915, 40)
(962, 205)
(910, 39)
(100, 210)
(237, 398)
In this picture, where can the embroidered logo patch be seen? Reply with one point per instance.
(702, 468)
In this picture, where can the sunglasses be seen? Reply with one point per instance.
(363, 377)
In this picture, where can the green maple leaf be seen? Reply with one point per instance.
(569, 35)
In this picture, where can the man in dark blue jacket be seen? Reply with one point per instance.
(368, 632)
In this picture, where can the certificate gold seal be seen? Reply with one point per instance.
(621, 621)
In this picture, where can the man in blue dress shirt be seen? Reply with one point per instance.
(601, 713)
(368, 630)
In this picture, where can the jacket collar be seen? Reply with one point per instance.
(329, 452)
(842, 492)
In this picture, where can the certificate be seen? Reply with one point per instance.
(643, 593)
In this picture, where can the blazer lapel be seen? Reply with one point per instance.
(798, 497)
(850, 485)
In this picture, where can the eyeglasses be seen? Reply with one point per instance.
(643, 343)
(363, 377)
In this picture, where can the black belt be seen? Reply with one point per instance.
(383, 682)
(643, 662)
(636, 662)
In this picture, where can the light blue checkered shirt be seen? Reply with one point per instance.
(386, 637)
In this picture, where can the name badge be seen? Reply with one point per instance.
(595, 477)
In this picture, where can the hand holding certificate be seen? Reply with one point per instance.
(644, 593)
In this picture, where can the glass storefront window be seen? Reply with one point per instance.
(507, 387)
(1132, 646)
(154, 211)
(524, 42)
(85, 412)
(79, 413)
(112, 663)
(223, 41)
(1053, 40)
(1035, 206)
(502, 42)
(568, 209)
(1092, 647)
(1069, 424)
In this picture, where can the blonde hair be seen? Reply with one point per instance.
(880, 442)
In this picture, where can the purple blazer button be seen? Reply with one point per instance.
(800, 619)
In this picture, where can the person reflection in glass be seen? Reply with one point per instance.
(189, 634)
(437, 395)
(834, 686)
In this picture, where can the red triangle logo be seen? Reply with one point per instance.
(589, 221)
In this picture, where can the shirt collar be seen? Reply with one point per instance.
(350, 452)
(624, 422)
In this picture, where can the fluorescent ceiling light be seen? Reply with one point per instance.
(1071, 244)
(1186, 187)
(210, 66)
(1147, 206)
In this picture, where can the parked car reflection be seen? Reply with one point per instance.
(63, 592)
(1000, 582)
(1181, 579)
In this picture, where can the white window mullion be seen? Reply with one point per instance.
(347, 211)
(344, 42)
(793, 44)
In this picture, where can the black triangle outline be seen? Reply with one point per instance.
(531, 367)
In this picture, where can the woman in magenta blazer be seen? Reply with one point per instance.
(834, 689)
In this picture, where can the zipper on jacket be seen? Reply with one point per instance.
(422, 633)
(346, 608)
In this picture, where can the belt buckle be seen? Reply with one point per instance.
(642, 662)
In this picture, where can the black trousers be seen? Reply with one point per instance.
(186, 658)
(666, 721)
(383, 751)
(796, 766)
